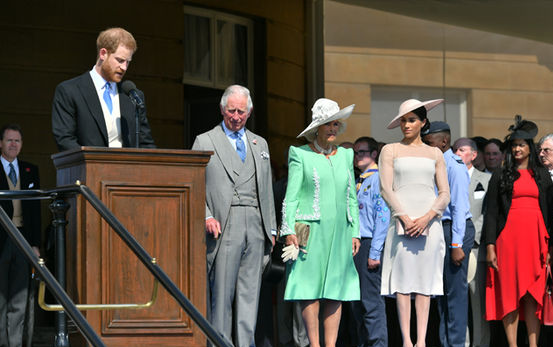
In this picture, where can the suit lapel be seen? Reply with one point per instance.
(224, 150)
(542, 195)
(254, 147)
(90, 97)
(25, 177)
(472, 185)
(3, 180)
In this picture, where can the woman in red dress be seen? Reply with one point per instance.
(516, 235)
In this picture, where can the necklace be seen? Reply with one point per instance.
(322, 150)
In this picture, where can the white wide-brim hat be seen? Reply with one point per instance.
(324, 111)
(411, 105)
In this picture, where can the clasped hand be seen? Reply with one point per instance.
(415, 227)
(292, 249)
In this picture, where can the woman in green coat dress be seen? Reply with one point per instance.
(321, 194)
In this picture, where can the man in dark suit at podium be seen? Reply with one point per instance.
(25, 214)
(91, 109)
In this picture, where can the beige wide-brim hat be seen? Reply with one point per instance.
(324, 111)
(411, 105)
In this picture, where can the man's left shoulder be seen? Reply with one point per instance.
(370, 186)
(455, 160)
(456, 164)
(481, 176)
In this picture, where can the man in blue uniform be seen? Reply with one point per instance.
(459, 237)
(374, 217)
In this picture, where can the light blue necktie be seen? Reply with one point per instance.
(107, 98)
(12, 175)
(240, 148)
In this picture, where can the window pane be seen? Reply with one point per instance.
(197, 48)
(232, 53)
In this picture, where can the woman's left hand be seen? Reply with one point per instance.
(419, 226)
(355, 244)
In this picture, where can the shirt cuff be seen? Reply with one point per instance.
(374, 255)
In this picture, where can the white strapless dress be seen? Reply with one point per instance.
(414, 265)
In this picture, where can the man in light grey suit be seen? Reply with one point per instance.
(545, 152)
(467, 150)
(240, 217)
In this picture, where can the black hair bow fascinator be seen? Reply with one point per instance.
(522, 129)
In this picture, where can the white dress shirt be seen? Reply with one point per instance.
(113, 119)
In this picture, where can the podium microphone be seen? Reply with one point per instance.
(129, 88)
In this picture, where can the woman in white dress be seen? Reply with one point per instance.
(414, 251)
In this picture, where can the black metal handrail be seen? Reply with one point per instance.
(58, 292)
(56, 289)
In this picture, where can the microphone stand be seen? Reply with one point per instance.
(137, 109)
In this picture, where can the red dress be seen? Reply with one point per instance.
(521, 250)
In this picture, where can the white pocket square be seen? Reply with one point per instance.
(31, 185)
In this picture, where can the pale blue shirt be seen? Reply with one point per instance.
(6, 165)
(374, 215)
(230, 136)
(458, 210)
(112, 119)
(100, 84)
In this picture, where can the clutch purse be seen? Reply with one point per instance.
(400, 230)
(547, 311)
(302, 233)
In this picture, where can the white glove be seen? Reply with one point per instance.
(290, 252)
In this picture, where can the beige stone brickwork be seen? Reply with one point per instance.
(498, 85)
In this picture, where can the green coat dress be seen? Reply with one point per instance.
(321, 193)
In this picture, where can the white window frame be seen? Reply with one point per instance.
(213, 17)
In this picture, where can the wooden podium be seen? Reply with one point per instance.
(159, 196)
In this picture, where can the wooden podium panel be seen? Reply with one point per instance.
(159, 196)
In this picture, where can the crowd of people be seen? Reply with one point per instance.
(466, 224)
(426, 208)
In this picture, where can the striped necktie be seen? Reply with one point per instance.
(12, 175)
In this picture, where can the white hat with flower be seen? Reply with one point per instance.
(324, 111)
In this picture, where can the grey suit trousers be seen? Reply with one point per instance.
(235, 279)
(14, 281)
(477, 293)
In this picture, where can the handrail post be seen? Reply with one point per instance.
(59, 209)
